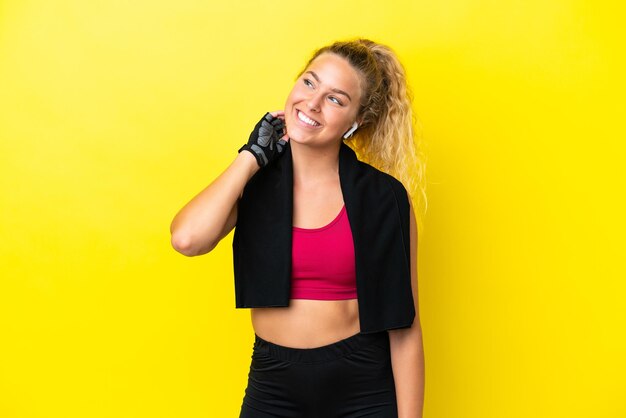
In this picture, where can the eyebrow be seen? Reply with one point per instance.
(335, 90)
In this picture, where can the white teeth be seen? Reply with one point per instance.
(304, 119)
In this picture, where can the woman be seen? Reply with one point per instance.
(343, 345)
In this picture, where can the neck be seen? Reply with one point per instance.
(312, 165)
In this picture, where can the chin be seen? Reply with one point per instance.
(298, 134)
(296, 138)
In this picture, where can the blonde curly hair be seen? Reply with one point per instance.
(389, 137)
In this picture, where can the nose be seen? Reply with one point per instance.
(313, 103)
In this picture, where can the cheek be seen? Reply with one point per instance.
(298, 92)
(339, 120)
(292, 98)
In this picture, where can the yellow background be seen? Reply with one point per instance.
(113, 114)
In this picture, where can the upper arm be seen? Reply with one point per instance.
(231, 221)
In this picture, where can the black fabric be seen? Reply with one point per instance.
(350, 378)
(377, 207)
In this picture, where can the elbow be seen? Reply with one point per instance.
(182, 245)
(185, 245)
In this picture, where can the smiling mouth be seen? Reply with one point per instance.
(306, 120)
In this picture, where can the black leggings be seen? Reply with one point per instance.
(350, 378)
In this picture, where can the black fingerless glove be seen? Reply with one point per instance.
(264, 142)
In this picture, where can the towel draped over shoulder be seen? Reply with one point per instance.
(377, 206)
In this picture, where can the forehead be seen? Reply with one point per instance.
(336, 72)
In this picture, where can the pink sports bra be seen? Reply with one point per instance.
(323, 266)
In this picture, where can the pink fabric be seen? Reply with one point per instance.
(323, 266)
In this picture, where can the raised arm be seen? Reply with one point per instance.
(202, 223)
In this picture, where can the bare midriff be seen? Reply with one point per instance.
(307, 323)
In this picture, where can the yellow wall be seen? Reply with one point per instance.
(113, 114)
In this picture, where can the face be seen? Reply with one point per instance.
(327, 97)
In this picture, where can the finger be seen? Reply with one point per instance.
(279, 114)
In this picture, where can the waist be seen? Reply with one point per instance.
(307, 323)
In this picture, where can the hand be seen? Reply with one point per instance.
(267, 140)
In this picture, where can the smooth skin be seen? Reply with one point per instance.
(329, 93)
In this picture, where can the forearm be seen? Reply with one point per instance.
(198, 225)
(407, 359)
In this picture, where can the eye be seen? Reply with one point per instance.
(337, 100)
